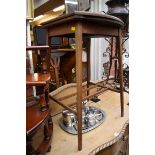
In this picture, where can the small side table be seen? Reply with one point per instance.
(35, 119)
(85, 25)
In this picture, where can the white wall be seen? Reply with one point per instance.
(97, 44)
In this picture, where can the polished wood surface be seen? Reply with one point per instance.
(85, 16)
(34, 118)
(63, 50)
(108, 133)
(37, 79)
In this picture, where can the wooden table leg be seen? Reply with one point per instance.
(88, 62)
(46, 92)
(119, 45)
(78, 39)
(42, 103)
(50, 122)
(46, 134)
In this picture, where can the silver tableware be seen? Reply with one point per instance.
(68, 118)
(92, 117)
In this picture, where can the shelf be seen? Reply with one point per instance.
(37, 47)
(63, 50)
(35, 118)
(37, 79)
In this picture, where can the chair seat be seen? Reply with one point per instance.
(37, 79)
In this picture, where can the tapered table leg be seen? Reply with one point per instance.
(119, 45)
(78, 38)
(88, 62)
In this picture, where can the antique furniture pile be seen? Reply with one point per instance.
(75, 114)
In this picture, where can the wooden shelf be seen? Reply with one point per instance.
(34, 118)
(63, 50)
(37, 79)
(37, 47)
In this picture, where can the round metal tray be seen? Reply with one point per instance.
(72, 129)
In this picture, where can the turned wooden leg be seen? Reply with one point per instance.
(50, 122)
(46, 91)
(43, 54)
(42, 102)
(46, 134)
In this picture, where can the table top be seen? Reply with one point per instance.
(37, 79)
(35, 118)
(110, 131)
(85, 16)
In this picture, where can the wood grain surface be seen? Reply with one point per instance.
(108, 132)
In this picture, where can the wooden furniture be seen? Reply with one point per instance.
(42, 78)
(120, 147)
(35, 119)
(39, 115)
(85, 25)
(111, 133)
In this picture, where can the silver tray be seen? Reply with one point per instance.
(72, 129)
